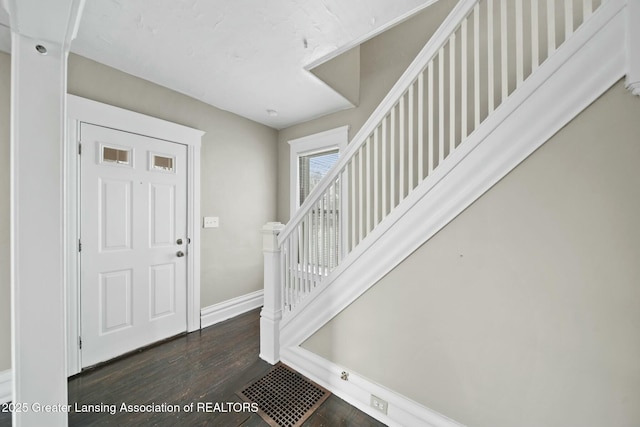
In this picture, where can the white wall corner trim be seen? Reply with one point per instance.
(357, 391)
(231, 308)
(480, 162)
(6, 385)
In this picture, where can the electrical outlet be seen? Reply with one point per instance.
(379, 404)
(211, 222)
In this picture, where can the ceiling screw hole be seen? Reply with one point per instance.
(41, 49)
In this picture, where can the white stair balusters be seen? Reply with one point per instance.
(482, 52)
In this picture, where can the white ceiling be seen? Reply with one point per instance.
(243, 56)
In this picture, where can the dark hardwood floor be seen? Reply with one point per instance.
(208, 366)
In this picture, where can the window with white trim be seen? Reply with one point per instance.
(311, 158)
(312, 168)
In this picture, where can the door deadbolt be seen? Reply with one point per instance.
(180, 254)
(179, 242)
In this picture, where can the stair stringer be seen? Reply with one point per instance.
(582, 69)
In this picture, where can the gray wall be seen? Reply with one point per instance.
(342, 73)
(5, 273)
(239, 163)
(383, 59)
(524, 310)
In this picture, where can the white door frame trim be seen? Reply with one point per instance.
(81, 110)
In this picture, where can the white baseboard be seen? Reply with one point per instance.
(226, 310)
(6, 385)
(357, 391)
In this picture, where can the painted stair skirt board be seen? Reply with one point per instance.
(358, 391)
(476, 167)
(6, 384)
(231, 308)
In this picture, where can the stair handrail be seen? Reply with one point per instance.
(460, 12)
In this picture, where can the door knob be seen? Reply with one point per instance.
(180, 254)
(179, 242)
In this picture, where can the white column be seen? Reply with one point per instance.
(271, 313)
(37, 238)
(41, 33)
(633, 47)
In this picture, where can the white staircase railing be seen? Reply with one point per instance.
(482, 53)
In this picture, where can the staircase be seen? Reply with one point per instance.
(497, 79)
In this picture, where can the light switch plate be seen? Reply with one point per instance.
(211, 222)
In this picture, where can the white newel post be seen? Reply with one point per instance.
(271, 313)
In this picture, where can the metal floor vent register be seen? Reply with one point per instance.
(285, 398)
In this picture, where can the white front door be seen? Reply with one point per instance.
(134, 241)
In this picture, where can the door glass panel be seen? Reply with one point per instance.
(115, 155)
(162, 163)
